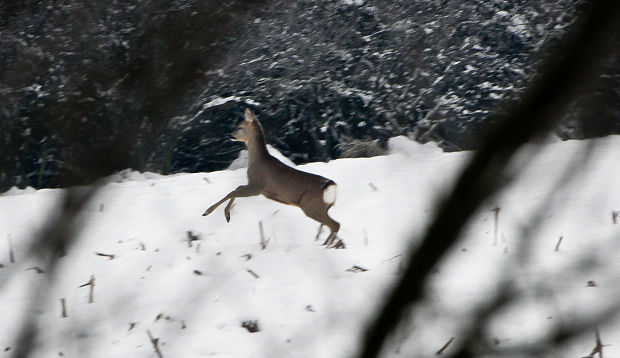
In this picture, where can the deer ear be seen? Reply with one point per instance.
(249, 115)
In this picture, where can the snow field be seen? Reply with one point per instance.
(309, 301)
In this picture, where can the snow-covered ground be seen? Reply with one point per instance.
(309, 301)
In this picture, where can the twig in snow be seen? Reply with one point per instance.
(614, 216)
(191, 237)
(111, 257)
(36, 268)
(496, 210)
(391, 258)
(207, 180)
(253, 273)
(263, 242)
(356, 269)
(91, 283)
(11, 256)
(63, 308)
(155, 342)
(557, 246)
(598, 349)
(372, 186)
(251, 326)
(445, 346)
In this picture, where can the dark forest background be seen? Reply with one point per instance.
(158, 85)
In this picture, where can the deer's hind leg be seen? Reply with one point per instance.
(318, 233)
(320, 214)
(333, 241)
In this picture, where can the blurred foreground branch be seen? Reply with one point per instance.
(58, 234)
(157, 94)
(562, 75)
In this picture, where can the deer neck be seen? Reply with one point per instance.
(257, 147)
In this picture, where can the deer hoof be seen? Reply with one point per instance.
(338, 245)
(208, 211)
(332, 243)
(227, 215)
(328, 241)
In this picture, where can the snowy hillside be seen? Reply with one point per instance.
(202, 297)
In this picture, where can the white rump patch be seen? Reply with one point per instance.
(329, 194)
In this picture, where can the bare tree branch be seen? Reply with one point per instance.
(563, 72)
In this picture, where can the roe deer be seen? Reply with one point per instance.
(277, 181)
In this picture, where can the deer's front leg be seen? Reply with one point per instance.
(227, 209)
(241, 191)
(214, 206)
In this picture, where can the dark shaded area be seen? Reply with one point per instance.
(58, 234)
(89, 89)
(164, 81)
